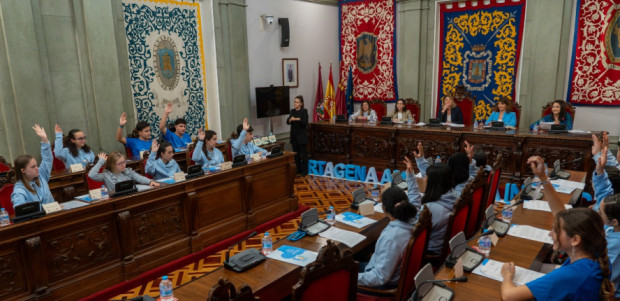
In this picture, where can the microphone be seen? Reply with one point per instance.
(487, 221)
(573, 161)
(451, 260)
(439, 282)
(236, 244)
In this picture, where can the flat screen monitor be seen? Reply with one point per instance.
(272, 101)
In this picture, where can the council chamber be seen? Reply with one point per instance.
(310, 150)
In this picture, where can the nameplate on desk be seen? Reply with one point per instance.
(272, 139)
(76, 167)
(95, 194)
(142, 154)
(226, 165)
(51, 207)
(256, 157)
(367, 208)
(179, 176)
(257, 141)
(264, 140)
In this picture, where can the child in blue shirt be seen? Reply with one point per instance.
(579, 233)
(32, 181)
(72, 149)
(205, 152)
(176, 135)
(383, 269)
(139, 139)
(242, 142)
(160, 163)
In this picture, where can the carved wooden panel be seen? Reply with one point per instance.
(11, 274)
(157, 223)
(371, 146)
(81, 249)
(328, 142)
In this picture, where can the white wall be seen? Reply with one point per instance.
(313, 39)
(598, 119)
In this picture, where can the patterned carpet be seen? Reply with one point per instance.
(312, 191)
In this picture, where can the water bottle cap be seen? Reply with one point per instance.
(266, 233)
(330, 207)
(2, 209)
(102, 186)
(164, 278)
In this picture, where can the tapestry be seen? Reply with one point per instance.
(594, 75)
(367, 37)
(166, 61)
(480, 48)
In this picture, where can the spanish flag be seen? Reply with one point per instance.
(330, 98)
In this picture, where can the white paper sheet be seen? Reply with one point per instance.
(293, 255)
(540, 205)
(531, 233)
(354, 220)
(493, 269)
(72, 204)
(351, 239)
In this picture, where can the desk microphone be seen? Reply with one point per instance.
(451, 260)
(438, 282)
(487, 221)
(244, 260)
(572, 161)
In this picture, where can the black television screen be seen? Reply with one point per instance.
(272, 101)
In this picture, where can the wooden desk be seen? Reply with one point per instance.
(384, 146)
(273, 279)
(523, 252)
(74, 253)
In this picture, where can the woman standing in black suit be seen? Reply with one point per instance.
(298, 119)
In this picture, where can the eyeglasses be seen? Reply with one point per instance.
(121, 163)
(81, 138)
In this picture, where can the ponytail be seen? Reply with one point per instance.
(397, 204)
(404, 211)
(607, 289)
(139, 127)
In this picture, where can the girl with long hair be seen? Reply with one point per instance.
(160, 163)
(72, 149)
(205, 152)
(558, 115)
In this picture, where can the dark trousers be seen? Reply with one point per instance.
(301, 158)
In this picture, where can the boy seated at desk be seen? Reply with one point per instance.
(241, 142)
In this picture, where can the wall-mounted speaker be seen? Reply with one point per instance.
(285, 31)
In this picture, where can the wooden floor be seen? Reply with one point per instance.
(312, 191)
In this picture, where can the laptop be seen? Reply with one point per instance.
(194, 171)
(397, 180)
(28, 211)
(276, 151)
(239, 160)
(124, 188)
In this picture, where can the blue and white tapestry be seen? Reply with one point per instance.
(166, 61)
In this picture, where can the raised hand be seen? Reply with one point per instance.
(605, 142)
(409, 164)
(123, 120)
(602, 161)
(154, 146)
(57, 129)
(538, 167)
(420, 152)
(596, 146)
(201, 134)
(246, 124)
(168, 108)
(40, 132)
(102, 156)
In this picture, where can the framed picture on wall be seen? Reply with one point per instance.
(290, 73)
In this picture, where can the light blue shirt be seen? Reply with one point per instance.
(42, 194)
(509, 118)
(602, 188)
(613, 250)
(110, 179)
(65, 155)
(385, 264)
(611, 159)
(160, 170)
(176, 141)
(217, 158)
(238, 148)
(372, 116)
(440, 211)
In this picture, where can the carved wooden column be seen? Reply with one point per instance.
(127, 240)
(248, 204)
(37, 268)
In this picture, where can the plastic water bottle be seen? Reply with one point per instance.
(546, 170)
(267, 244)
(331, 216)
(438, 160)
(375, 192)
(507, 213)
(4, 218)
(104, 192)
(535, 129)
(476, 123)
(165, 289)
(350, 119)
(484, 245)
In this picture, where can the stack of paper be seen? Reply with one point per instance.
(531, 233)
(354, 220)
(493, 269)
(540, 205)
(346, 237)
(294, 255)
(566, 186)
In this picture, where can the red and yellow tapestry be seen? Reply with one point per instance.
(367, 29)
(595, 68)
(480, 48)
